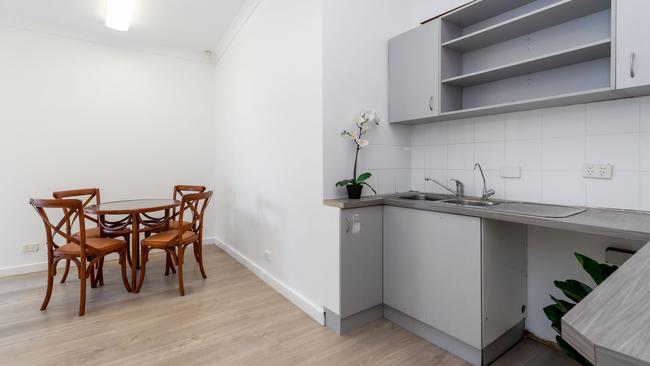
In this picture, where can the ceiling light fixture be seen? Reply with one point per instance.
(118, 14)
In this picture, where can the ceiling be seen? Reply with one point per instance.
(184, 26)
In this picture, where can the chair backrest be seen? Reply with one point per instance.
(88, 196)
(70, 207)
(181, 190)
(195, 205)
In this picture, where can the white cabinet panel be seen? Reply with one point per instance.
(633, 47)
(432, 270)
(413, 61)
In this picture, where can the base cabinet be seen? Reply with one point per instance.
(463, 277)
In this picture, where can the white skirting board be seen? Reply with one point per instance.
(314, 311)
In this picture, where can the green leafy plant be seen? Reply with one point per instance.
(575, 291)
(363, 123)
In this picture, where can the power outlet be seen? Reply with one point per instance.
(267, 255)
(30, 248)
(598, 171)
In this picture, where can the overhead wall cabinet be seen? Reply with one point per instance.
(633, 46)
(414, 74)
(499, 56)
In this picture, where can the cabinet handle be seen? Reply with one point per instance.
(632, 62)
(431, 103)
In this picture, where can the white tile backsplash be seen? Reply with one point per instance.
(550, 145)
(613, 117)
(460, 156)
(461, 132)
(620, 192)
(564, 121)
(566, 153)
(436, 157)
(622, 151)
(524, 125)
(490, 128)
(491, 155)
(524, 153)
(566, 188)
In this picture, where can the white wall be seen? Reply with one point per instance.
(551, 146)
(270, 154)
(355, 77)
(77, 114)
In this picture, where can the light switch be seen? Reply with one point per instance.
(510, 172)
(356, 227)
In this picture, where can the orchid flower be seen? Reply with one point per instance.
(364, 122)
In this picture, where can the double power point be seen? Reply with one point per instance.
(598, 171)
(30, 248)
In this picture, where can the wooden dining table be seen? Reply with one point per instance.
(140, 216)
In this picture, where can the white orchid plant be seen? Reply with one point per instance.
(364, 122)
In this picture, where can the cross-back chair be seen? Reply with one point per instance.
(175, 241)
(85, 252)
(117, 229)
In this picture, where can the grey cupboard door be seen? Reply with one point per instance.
(432, 270)
(414, 68)
(632, 44)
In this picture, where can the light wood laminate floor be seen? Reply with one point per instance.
(232, 318)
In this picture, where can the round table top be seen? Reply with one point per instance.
(131, 207)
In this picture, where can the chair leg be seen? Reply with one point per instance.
(65, 272)
(181, 255)
(167, 260)
(50, 284)
(82, 294)
(199, 258)
(125, 280)
(93, 279)
(100, 272)
(196, 251)
(143, 266)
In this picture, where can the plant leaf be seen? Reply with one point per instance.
(591, 267)
(369, 186)
(573, 289)
(344, 183)
(363, 177)
(569, 351)
(555, 314)
(565, 306)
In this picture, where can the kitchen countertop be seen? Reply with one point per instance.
(633, 225)
(611, 326)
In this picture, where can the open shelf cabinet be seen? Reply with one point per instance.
(507, 55)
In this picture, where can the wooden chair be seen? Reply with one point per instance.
(179, 192)
(84, 252)
(91, 196)
(180, 238)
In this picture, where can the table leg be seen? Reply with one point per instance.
(135, 252)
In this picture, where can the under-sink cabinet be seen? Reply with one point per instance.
(457, 281)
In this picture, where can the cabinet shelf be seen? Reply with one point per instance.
(479, 11)
(546, 17)
(582, 53)
(587, 96)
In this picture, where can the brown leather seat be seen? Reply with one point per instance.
(99, 245)
(168, 238)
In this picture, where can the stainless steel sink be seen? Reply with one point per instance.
(471, 202)
(424, 197)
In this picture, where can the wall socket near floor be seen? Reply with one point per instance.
(598, 171)
(267, 255)
(30, 248)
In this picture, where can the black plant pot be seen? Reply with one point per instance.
(354, 191)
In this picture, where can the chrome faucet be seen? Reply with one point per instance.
(460, 187)
(487, 193)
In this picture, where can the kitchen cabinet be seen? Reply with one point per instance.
(633, 47)
(360, 270)
(461, 276)
(413, 61)
(432, 270)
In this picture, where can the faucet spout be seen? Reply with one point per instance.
(460, 187)
(487, 193)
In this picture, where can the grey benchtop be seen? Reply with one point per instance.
(611, 326)
(634, 225)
